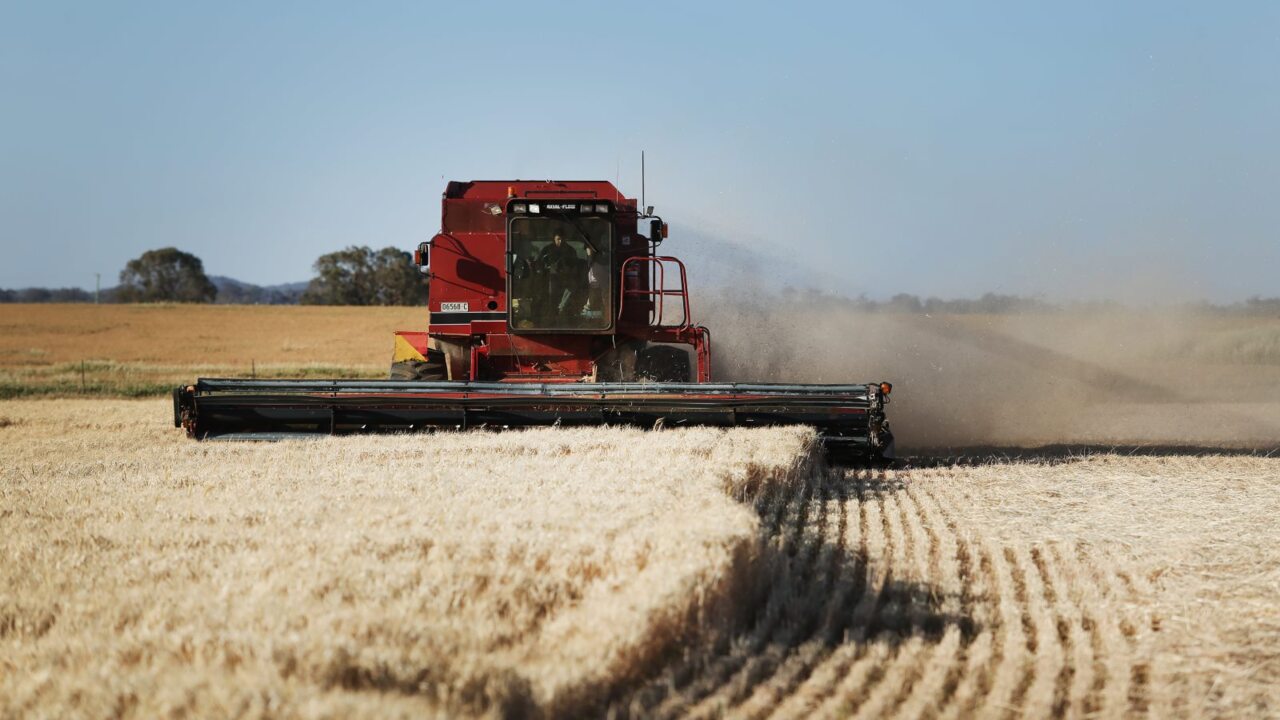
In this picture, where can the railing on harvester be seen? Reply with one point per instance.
(657, 290)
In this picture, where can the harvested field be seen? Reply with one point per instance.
(1099, 587)
(723, 573)
(138, 350)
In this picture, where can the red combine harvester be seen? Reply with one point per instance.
(549, 305)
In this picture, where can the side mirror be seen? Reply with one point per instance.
(422, 256)
(657, 232)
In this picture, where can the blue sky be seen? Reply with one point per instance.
(1084, 150)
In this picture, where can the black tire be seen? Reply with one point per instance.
(663, 363)
(430, 370)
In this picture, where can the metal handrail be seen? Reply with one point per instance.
(657, 289)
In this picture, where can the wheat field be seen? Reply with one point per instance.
(456, 574)
(681, 573)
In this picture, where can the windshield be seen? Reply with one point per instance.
(561, 273)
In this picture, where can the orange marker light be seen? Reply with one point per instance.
(511, 191)
(886, 388)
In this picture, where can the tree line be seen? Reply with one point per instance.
(357, 275)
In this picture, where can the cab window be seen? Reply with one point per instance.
(561, 273)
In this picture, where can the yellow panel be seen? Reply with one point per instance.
(405, 351)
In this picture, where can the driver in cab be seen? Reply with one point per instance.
(558, 260)
(557, 257)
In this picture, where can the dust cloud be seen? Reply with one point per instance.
(1122, 377)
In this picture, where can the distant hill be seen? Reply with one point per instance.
(230, 292)
(236, 292)
(47, 295)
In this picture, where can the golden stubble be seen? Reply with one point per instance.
(1100, 587)
(207, 335)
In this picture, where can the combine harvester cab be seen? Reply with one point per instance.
(549, 305)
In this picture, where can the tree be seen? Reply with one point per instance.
(165, 275)
(904, 302)
(361, 276)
